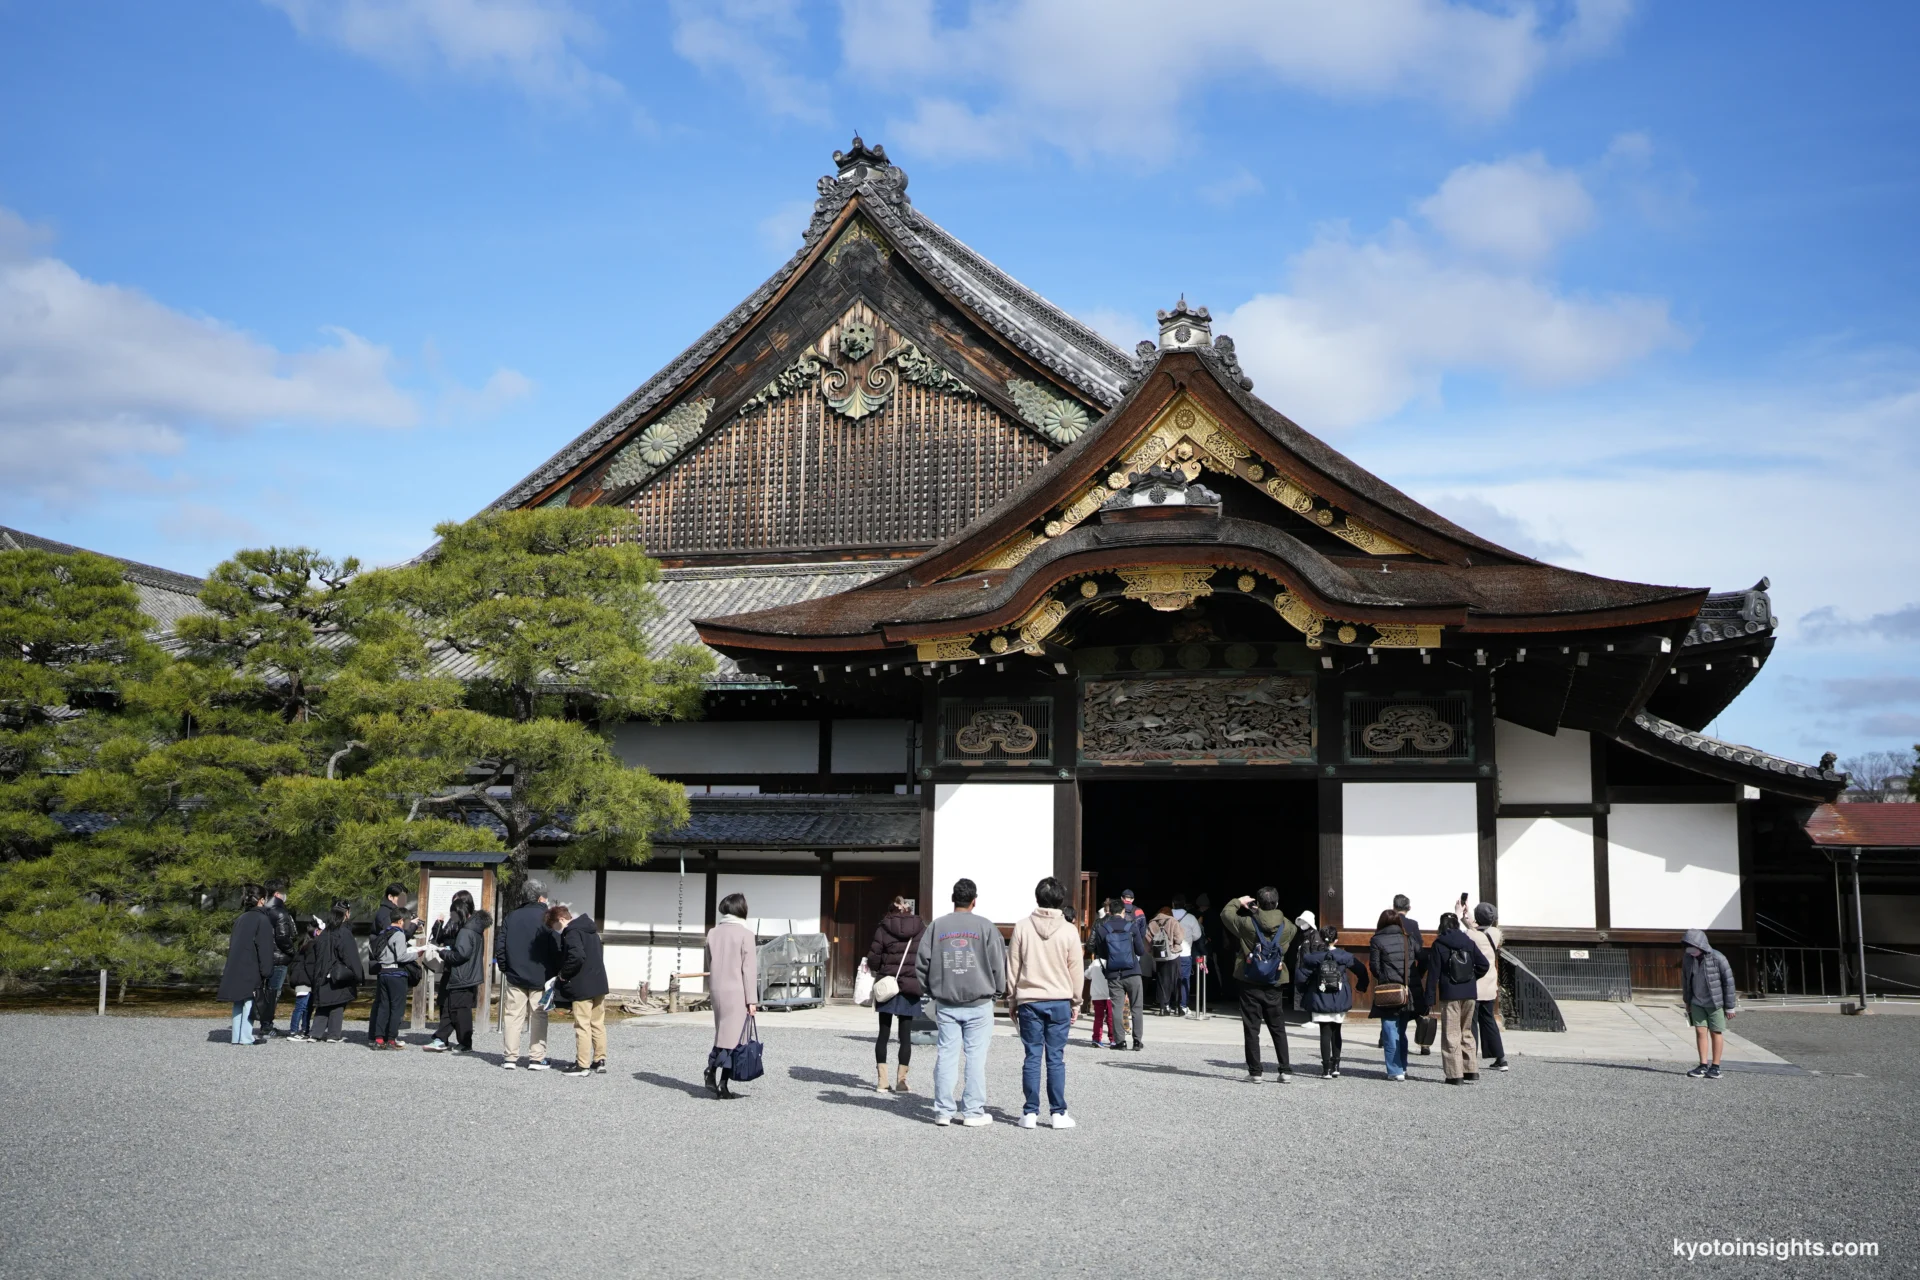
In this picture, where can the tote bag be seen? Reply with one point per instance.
(748, 1059)
(863, 985)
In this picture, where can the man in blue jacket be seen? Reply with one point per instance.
(962, 964)
(1120, 941)
(1454, 968)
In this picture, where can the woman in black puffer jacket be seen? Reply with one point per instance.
(465, 958)
(896, 943)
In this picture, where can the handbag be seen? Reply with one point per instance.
(889, 987)
(1424, 1031)
(748, 1058)
(863, 984)
(1393, 995)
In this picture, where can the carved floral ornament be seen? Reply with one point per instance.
(1185, 438)
(1001, 727)
(1407, 726)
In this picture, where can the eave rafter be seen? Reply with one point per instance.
(1167, 588)
(1186, 437)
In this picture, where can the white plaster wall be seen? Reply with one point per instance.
(1546, 872)
(1537, 768)
(1000, 836)
(1417, 838)
(1674, 866)
(639, 900)
(721, 746)
(631, 963)
(575, 891)
(775, 904)
(870, 746)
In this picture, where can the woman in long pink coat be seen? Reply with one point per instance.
(733, 984)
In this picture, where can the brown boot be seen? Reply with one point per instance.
(900, 1080)
(880, 1077)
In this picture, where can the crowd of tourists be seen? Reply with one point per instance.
(1442, 989)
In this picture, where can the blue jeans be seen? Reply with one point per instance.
(967, 1026)
(1393, 1032)
(242, 1022)
(1186, 982)
(302, 1014)
(1043, 1028)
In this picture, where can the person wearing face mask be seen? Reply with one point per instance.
(1707, 981)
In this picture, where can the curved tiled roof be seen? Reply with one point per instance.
(165, 596)
(1662, 739)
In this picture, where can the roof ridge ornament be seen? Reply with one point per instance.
(1185, 327)
(859, 166)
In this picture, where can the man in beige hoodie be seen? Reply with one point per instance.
(1045, 972)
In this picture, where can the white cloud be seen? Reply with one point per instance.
(1368, 324)
(1496, 525)
(534, 45)
(1519, 209)
(1117, 77)
(755, 40)
(780, 231)
(98, 380)
(1122, 328)
(1232, 188)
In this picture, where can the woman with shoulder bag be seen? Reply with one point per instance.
(1397, 998)
(896, 987)
(338, 974)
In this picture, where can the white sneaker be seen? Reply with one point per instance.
(943, 1120)
(976, 1122)
(1029, 1121)
(509, 1064)
(1062, 1121)
(540, 1064)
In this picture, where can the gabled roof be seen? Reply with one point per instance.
(1407, 566)
(867, 184)
(165, 596)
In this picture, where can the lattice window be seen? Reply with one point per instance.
(1414, 726)
(1005, 731)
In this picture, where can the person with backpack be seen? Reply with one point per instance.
(1325, 979)
(1261, 933)
(1706, 984)
(396, 900)
(338, 974)
(584, 985)
(962, 965)
(249, 962)
(896, 940)
(1044, 975)
(1399, 993)
(1454, 969)
(286, 941)
(529, 957)
(1120, 941)
(1484, 929)
(464, 968)
(390, 957)
(1167, 943)
(303, 977)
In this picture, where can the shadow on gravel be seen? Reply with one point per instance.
(1159, 1069)
(846, 1080)
(899, 1105)
(691, 1089)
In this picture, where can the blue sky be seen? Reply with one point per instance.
(1631, 287)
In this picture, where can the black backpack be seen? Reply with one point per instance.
(1457, 968)
(1329, 975)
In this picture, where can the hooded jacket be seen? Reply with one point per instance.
(583, 965)
(895, 944)
(1487, 938)
(1307, 980)
(526, 949)
(1044, 961)
(962, 960)
(1438, 988)
(1707, 979)
(466, 952)
(1238, 921)
(1195, 934)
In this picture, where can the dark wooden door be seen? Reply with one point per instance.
(858, 904)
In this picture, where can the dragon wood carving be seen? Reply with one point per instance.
(1198, 718)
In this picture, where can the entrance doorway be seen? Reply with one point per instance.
(859, 902)
(1217, 838)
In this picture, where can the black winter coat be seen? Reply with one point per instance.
(896, 943)
(583, 966)
(303, 972)
(466, 953)
(1443, 943)
(336, 949)
(249, 956)
(526, 949)
(286, 930)
(1398, 955)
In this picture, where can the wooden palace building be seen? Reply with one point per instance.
(993, 598)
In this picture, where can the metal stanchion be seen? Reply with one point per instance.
(103, 993)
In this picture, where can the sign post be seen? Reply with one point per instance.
(441, 876)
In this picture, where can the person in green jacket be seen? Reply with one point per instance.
(1246, 921)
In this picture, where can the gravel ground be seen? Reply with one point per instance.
(150, 1147)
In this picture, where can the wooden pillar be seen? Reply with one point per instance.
(1602, 884)
(1332, 832)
